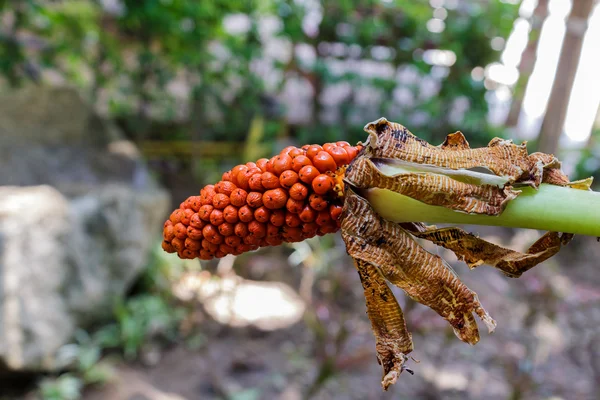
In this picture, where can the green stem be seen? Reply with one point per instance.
(551, 208)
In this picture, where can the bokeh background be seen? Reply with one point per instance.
(114, 111)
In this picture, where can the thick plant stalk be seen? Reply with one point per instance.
(550, 208)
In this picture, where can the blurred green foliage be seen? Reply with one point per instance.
(150, 316)
(235, 60)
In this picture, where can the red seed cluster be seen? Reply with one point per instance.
(289, 198)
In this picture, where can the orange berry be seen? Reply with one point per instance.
(178, 244)
(216, 217)
(204, 212)
(206, 194)
(227, 176)
(317, 202)
(328, 146)
(194, 233)
(180, 230)
(243, 177)
(236, 171)
(288, 178)
(310, 229)
(282, 163)
(193, 244)
(188, 254)
(226, 229)
(242, 248)
(219, 254)
(322, 184)
(324, 162)
(230, 213)
(275, 198)
(292, 220)
(287, 150)
(225, 187)
(262, 164)
(252, 241)
(193, 202)
(327, 228)
(340, 155)
(255, 182)
(295, 152)
(257, 229)
(238, 197)
(224, 248)
(205, 255)
(220, 201)
(251, 165)
(294, 206)
(212, 247)
(292, 234)
(335, 211)
(272, 230)
(269, 180)
(313, 150)
(255, 199)
(308, 173)
(176, 216)
(300, 161)
(168, 233)
(241, 229)
(233, 240)
(323, 218)
(298, 191)
(342, 143)
(307, 214)
(269, 165)
(352, 152)
(245, 214)
(262, 214)
(168, 247)
(212, 234)
(277, 217)
(273, 240)
(187, 214)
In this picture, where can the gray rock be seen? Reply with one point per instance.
(63, 262)
(79, 214)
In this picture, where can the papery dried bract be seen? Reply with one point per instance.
(475, 251)
(393, 342)
(502, 157)
(402, 261)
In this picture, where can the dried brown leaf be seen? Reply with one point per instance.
(402, 261)
(393, 341)
(502, 157)
(476, 251)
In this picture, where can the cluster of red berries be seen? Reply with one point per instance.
(289, 198)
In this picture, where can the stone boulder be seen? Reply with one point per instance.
(79, 216)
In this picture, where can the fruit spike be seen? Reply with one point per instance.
(293, 196)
